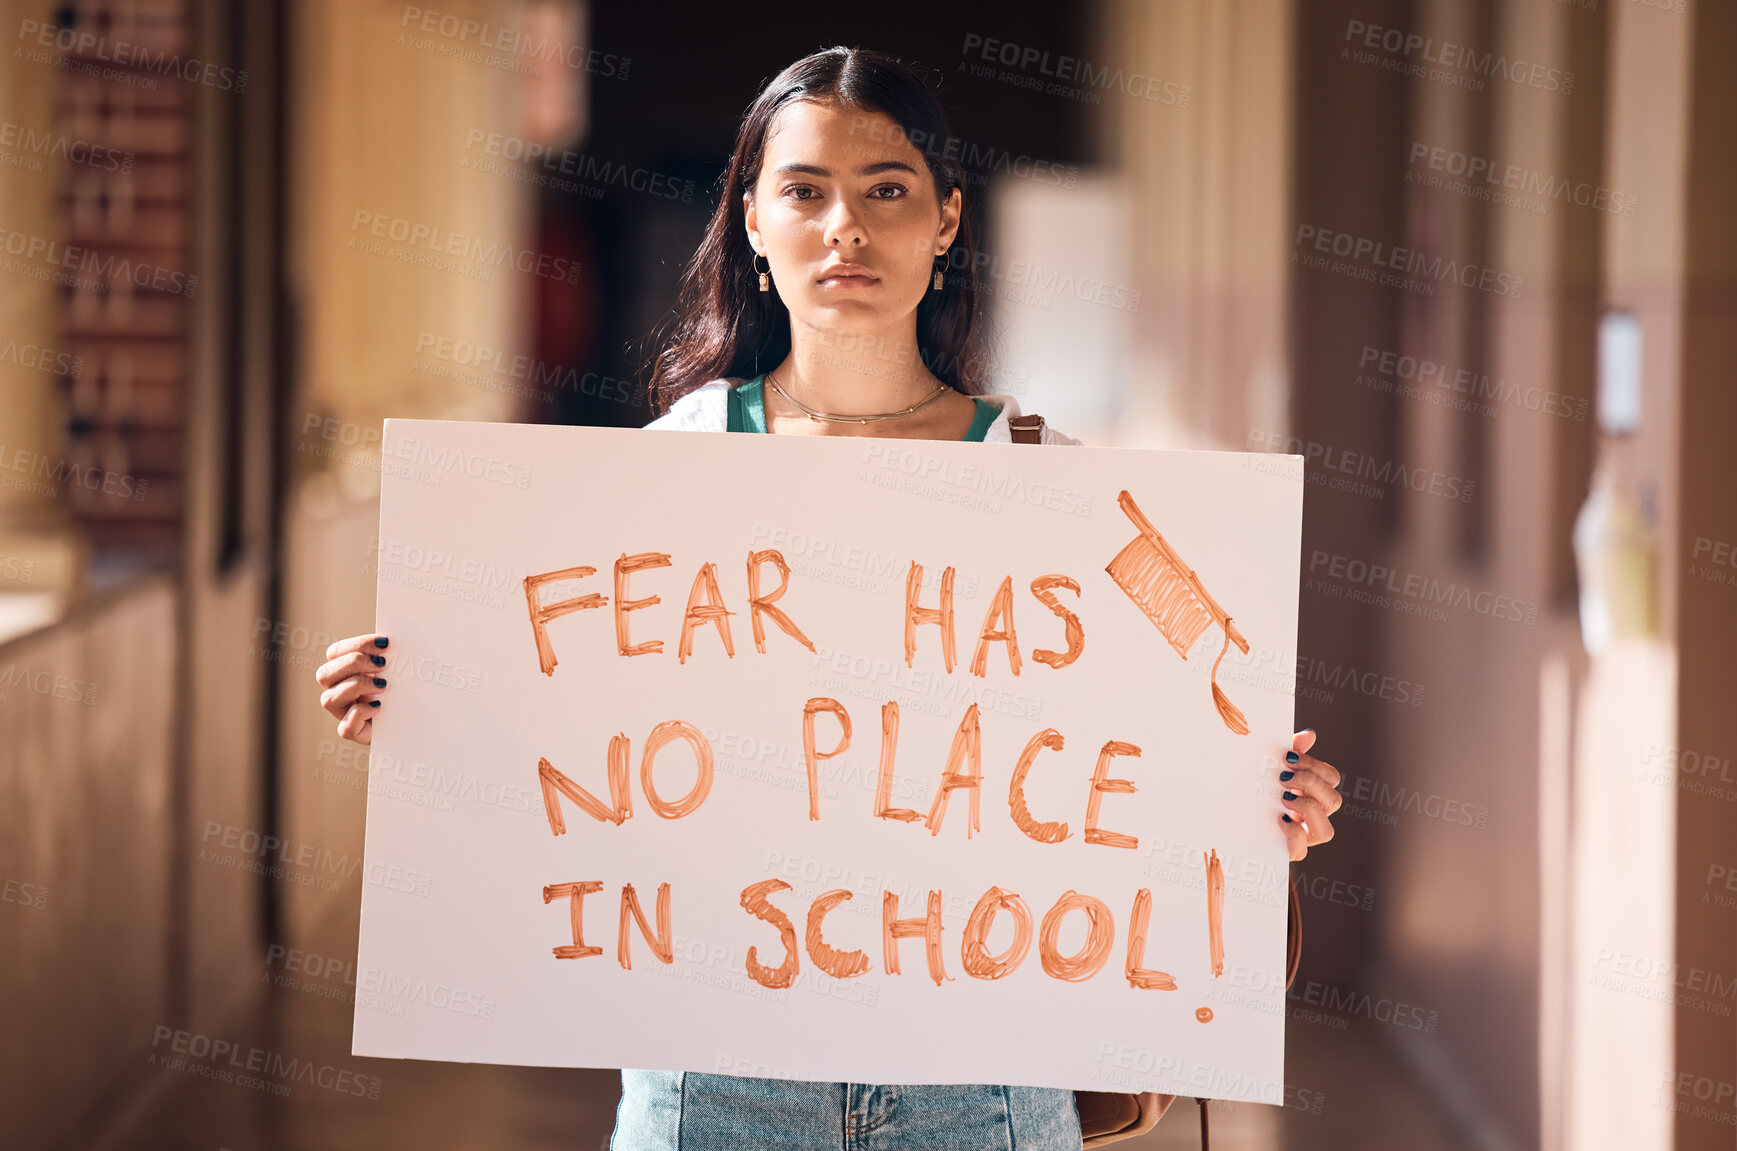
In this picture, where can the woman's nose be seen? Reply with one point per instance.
(843, 227)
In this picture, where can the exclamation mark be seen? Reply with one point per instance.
(1215, 912)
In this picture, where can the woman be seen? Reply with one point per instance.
(840, 257)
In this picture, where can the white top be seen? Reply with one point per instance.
(706, 409)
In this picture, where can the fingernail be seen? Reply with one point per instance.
(1292, 757)
(1284, 775)
(373, 703)
(379, 681)
(1309, 730)
(380, 641)
(1287, 817)
(379, 660)
(1290, 795)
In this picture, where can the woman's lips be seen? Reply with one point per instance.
(848, 278)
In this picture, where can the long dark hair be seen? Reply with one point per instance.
(724, 324)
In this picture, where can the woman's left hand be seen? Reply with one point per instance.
(1311, 795)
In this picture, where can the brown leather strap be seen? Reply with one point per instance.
(1293, 938)
(1026, 429)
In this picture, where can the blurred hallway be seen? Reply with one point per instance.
(1473, 259)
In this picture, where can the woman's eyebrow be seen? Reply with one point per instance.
(865, 170)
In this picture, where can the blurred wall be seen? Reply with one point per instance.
(1514, 926)
(1703, 565)
(398, 243)
(1618, 1029)
(122, 801)
(87, 787)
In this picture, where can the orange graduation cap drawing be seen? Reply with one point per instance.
(1174, 599)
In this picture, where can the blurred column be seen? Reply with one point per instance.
(1702, 566)
(1625, 797)
(398, 213)
(42, 555)
(404, 204)
(1208, 171)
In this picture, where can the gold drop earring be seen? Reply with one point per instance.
(942, 257)
(766, 276)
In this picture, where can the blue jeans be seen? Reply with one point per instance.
(689, 1111)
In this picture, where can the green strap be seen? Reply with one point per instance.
(747, 408)
(986, 413)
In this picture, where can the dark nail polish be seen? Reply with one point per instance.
(1292, 757)
(380, 641)
(379, 660)
(1290, 795)
(379, 681)
(1287, 817)
(373, 703)
(1284, 775)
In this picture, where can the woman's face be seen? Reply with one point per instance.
(846, 213)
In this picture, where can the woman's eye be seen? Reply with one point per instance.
(894, 191)
(800, 192)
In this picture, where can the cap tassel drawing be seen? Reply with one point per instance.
(1174, 599)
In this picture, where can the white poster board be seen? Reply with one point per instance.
(491, 938)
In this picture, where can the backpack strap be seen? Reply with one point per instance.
(1026, 429)
(1293, 938)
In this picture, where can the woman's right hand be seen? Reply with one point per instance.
(353, 683)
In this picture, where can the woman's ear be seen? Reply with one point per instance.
(751, 221)
(951, 208)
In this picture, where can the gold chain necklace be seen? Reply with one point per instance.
(814, 415)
